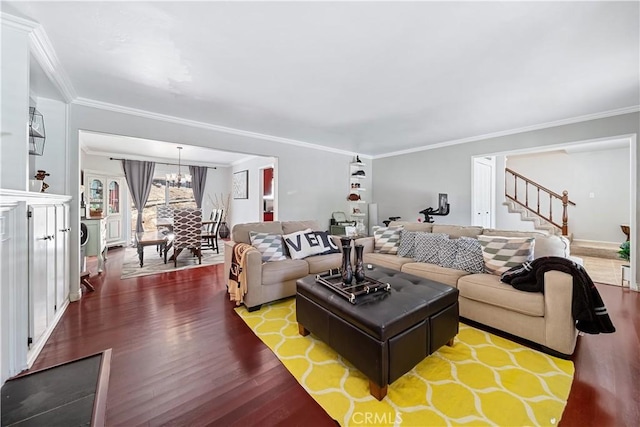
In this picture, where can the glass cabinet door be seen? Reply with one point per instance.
(96, 198)
(114, 197)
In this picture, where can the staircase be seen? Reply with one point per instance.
(538, 203)
(538, 222)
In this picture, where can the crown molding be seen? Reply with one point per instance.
(43, 51)
(216, 128)
(585, 118)
(17, 23)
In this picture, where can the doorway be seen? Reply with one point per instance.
(267, 190)
(483, 190)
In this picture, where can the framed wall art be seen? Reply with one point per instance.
(241, 185)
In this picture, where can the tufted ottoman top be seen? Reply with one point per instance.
(383, 315)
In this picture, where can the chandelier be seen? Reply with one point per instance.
(178, 179)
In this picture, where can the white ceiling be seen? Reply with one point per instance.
(367, 77)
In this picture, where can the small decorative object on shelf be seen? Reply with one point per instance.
(359, 274)
(358, 159)
(346, 270)
(40, 176)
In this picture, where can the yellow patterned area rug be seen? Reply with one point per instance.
(482, 380)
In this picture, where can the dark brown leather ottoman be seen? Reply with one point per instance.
(384, 334)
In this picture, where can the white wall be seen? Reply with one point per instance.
(14, 79)
(602, 173)
(248, 210)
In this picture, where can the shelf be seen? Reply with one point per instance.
(358, 189)
(354, 164)
(357, 201)
(358, 177)
(359, 214)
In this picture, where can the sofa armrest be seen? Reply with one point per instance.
(561, 332)
(253, 273)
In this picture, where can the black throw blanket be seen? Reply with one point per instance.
(587, 307)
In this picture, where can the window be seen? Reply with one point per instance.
(161, 191)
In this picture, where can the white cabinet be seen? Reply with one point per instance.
(48, 268)
(358, 195)
(105, 200)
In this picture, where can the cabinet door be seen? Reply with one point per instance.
(96, 197)
(40, 267)
(62, 257)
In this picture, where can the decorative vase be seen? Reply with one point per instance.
(359, 273)
(223, 231)
(346, 271)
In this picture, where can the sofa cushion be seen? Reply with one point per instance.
(488, 289)
(385, 260)
(448, 276)
(545, 244)
(502, 253)
(302, 244)
(269, 245)
(323, 263)
(455, 231)
(424, 227)
(289, 227)
(427, 246)
(469, 256)
(240, 232)
(387, 239)
(274, 273)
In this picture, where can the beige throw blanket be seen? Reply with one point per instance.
(238, 272)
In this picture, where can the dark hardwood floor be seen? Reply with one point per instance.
(181, 356)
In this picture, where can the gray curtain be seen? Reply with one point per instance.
(139, 176)
(198, 180)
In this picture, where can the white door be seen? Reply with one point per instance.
(39, 270)
(62, 249)
(483, 191)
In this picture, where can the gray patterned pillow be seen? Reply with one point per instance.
(469, 256)
(407, 241)
(502, 253)
(427, 246)
(447, 252)
(269, 245)
(386, 239)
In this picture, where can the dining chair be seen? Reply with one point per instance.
(210, 235)
(164, 212)
(187, 230)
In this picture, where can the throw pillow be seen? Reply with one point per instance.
(447, 252)
(302, 244)
(327, 243)
(502, 253)
(386, 239)
(407, 241)
(269, 245)
(427, 246)
(469, 256)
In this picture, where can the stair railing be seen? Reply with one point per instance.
(515, 177)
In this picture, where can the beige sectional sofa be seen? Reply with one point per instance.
(270, 281)
(541, 318)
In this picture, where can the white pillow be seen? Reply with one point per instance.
(302, 244)
(387, 239)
